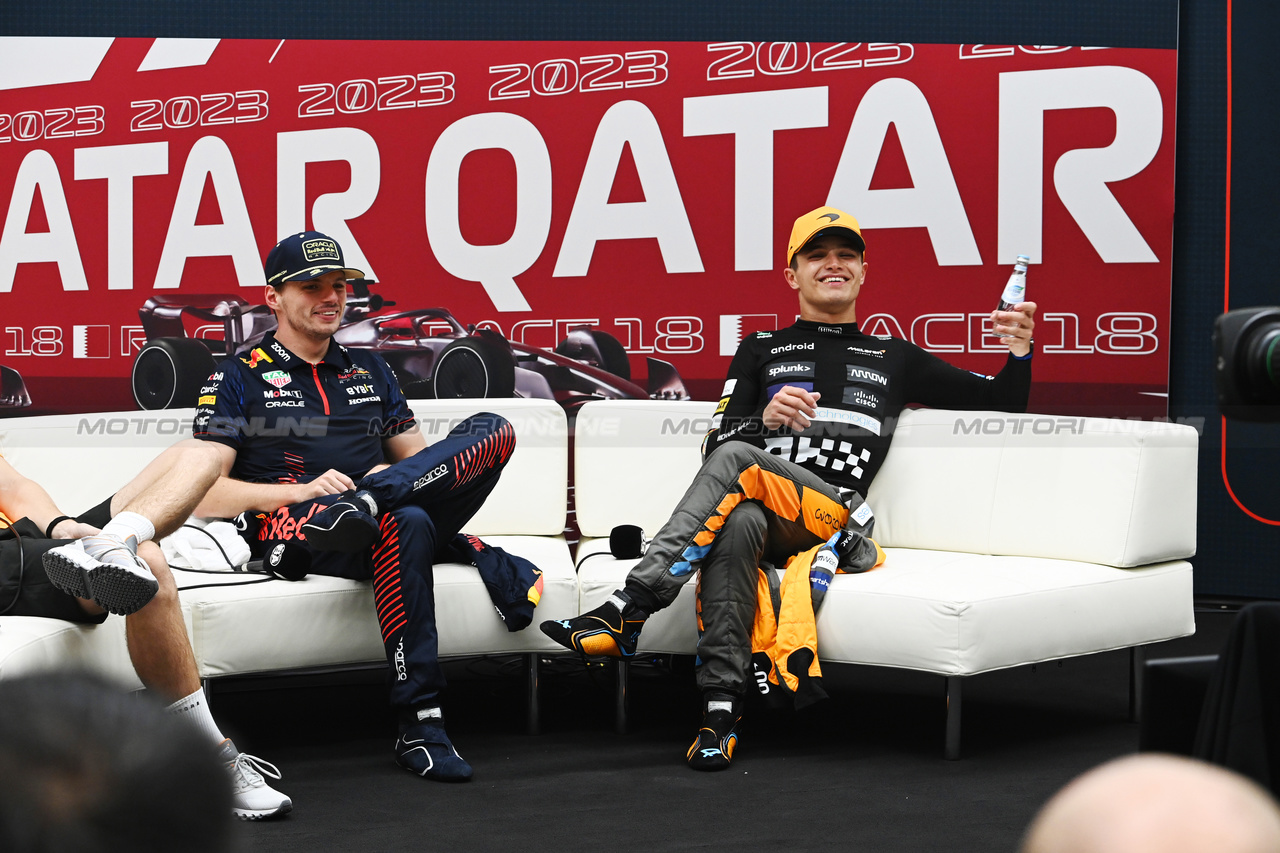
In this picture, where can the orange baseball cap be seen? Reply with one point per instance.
(824, 220)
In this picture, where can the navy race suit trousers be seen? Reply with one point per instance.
(423, 502)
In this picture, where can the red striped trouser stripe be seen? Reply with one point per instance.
(388, 599)
(494, 449)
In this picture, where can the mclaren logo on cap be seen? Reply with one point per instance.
(832, 216)
(321, 250)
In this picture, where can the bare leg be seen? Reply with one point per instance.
(158, 642)
(168, 490)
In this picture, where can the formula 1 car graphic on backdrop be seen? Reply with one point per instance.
(431, 353)
(13, 391)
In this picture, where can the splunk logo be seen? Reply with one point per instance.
(792, 368)
(432, 475)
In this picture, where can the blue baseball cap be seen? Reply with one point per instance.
(304, 256)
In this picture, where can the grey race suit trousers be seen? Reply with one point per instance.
(744, 507)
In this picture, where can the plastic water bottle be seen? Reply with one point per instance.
(1015, 290)
(821, 571)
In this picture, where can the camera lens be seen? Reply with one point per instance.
(1262, 363)
(1246, 344)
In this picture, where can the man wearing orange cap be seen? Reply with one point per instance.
(803, 425)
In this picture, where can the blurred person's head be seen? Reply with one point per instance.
(1156, 804)
(85, 766)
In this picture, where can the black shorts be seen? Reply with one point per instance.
(25, 590)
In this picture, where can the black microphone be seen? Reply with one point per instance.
(627, 542)
(286, 560)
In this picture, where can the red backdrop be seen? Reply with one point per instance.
(646, 187)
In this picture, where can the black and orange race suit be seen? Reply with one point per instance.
(764, 495)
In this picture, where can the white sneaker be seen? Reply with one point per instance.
(252, 797)
(116, 578)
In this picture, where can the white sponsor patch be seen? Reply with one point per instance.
(842, 416)
(729, 385)
(863, 514)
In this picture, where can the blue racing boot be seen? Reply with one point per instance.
(425, 749)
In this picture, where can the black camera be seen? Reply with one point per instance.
(1246, 347)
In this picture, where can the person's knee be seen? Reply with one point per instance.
(482, 425)
(167, 594)
(414, 528)
(744, 526)
(201, 459)
(497, 425)
(735, 456)
(747, 516)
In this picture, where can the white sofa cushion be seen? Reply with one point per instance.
(30, 644)
(531, 496)
(324, 621)
(1120, 493)
(633, 460)
(960, 614)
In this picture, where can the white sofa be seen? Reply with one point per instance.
(1011, 539)
(242, 626)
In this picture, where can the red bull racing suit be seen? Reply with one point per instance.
(290, 421)
(764, 495)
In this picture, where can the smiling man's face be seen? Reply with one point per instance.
(827, 276)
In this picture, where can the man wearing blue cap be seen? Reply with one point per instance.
(306, 429)
(803, 425)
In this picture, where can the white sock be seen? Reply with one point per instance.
(128, 524)
(195, 709)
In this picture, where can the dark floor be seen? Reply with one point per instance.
(863, 770)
